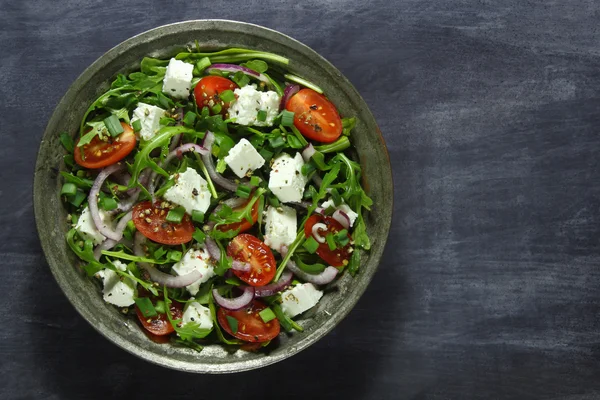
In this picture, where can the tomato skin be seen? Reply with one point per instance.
(337, 257)
(315, 116)
(251, 327)
(99, 154)
(209, 88)
(250, 249)
(244, 225)
(159, 325)
(159, 229)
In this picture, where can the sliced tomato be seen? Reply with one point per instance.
(337, 257)
(98, 153)
(250, 326)
(159, 325)
(244, 225)
(209, 88)
(315, 116)
(151, 220)
(249, 249)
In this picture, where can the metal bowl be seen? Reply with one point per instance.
(165, 41)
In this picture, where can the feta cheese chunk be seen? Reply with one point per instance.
(196, 312)
(189, 191)
(243, 157)
(149, 116)
(286, 180)
(118, 290)
(195, 260)
(249, 102)
(87, 229)
(342, 207)
(178, 79)
(280, 226)
(299, 299)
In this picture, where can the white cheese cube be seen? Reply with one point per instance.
(342, 207)
(249, 102)
(149, 116)
(286, 180)
(280, 226)
(178, 79)
(196, 312)
(299, 299)
(118, 290)
(195, 260)
(87, 229)
(189, 191)
(243, 157)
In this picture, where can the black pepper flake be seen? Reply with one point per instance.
(195, 192)
(318, 128)
(313, 107)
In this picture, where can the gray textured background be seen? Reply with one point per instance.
(490, 285)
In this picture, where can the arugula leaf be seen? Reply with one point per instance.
(125, 256)
(77, 181)
(256, 65)
(190, 330)
(86, 253)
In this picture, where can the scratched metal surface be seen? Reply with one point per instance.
(490, 285)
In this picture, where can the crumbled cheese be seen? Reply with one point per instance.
(195, 260)
(300, 298)
(190, 191)
(250, 101)
(196, 312)
(280, 226)
(87, 229)
(149, 116)
(286, 180)
(178, 79)
(243, 157)
(118, 290)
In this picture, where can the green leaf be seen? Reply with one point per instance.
(257, 65)
(233, 324)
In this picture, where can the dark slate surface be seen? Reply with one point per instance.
(490, 284)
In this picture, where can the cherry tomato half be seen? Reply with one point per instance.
(315, 116)
(98, 153)
(158, 325)
(248, 248)
(151, 221)
(337, 257)
(209, 88)
(244, 225)
(250, 327)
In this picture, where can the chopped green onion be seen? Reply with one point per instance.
(243, 191)
(227, 95)
(113, 125)
(267, 315)
(266, 154)
(174, 255)
(68, 189)
(67, 141)
(146, 307)
(233, 324)
(241, 79)
(205, 112)
(197, 216)
(203, 64)
(277, 142)
(303, 82)
(274, 201)
(342, 237)
(108, 204)
(160, 307)
(176, 215)
(78, 198)
(199, 236)
(254, 181)
(261, 115)
(330, 241)
(137, 125)
(311, 245)
(287, 118)
(216, 109)
(335, 195)
(189, 118)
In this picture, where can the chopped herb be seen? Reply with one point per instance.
(197, 216)
(199, 236)
(311, 245)
(108, 204)
(330, 241)
(227, 95)
(287, 118)
(67, 142)
(113, 125)
(233, 324)
(267, 315)
(243, 191)
(261, 116)
(176, 215)
(146, 307)
(189, 118)
(137, 125)
(68, 189)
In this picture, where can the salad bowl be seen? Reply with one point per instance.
(51, 217)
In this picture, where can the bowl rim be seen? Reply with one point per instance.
(38, 203)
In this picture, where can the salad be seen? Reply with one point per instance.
(213, 196)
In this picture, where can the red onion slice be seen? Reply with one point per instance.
(323, 278)
(238, 68)
(93, 201)
(240, 266)
(308, 152)
(210, 166)
(342, 218)
(212, 248)
(158, 276)
(315, 231)
(288, 92)
(269, 290)
(236, 303)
